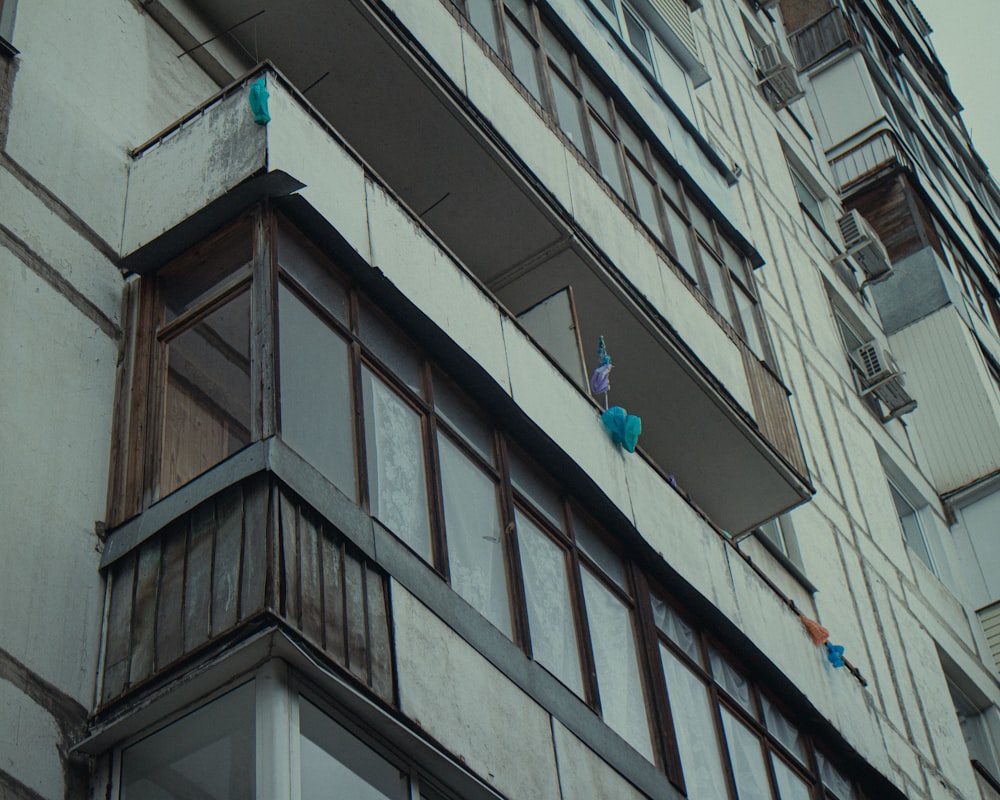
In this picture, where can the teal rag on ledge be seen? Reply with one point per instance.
(623, 427)
(258, 102)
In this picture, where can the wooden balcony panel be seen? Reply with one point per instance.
(773, 412)
(820, 38)
(252, 549)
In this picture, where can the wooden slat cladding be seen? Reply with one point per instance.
(897, 214)
(333, 595)
(773, 412)
(821, 37)
(254, 547)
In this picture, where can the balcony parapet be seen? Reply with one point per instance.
(822, 37)
(878, 154)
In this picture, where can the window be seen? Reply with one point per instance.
(7, 9)
(980, 724)
(730, 733)
(913, 532)
(204, 366)
(210, 753)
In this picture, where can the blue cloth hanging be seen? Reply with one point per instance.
(623, 427)
(258, 102)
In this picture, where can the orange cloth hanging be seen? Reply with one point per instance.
(818, 633)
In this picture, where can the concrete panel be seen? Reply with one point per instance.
(72, 136)
(334, 179)
(565, 415)
(583, 775)
(63, 249)
(429, 278)
(843, 100)
(55, 426)
(470, 707)
(517, 122)
(675, 531)
(934, 702)
(29, 743)
(958, 416)
(438, 33)
(193, 166)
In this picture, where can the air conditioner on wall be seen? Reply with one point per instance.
(874, 364)
(864, 246)
(880, 377)
(779, 75)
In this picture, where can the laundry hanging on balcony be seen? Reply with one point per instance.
(600, 381)
(623, 427)
(258, 102)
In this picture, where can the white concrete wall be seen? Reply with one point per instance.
(90, 83)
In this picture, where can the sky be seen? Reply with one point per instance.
(966, 38)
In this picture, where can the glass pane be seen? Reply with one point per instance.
(522, 56)
(212, 264)
(747, 310)
(613, 640)
(315, 380)
(550, 609)
(206, 402)
(607, 154)
(667, 182)
(645, 197)
(912, 532)
(746, 758)
(783, 730)
(790, 785)
(676, 629)
(681, 235)
(397, 484)
(637, 36)
(391, 347)
(482, 19)
(717, 278)
(631, 140)
(701, 223)
(312, 273)
(568, 110)
(590, 541)
(691, 711)
(536, 488)
(207, 754)
(731, 680)
(833, 779)
(335, 763)
(597, 99)
(472, 525)
(519, 8)
(558, 54)
(460, 414)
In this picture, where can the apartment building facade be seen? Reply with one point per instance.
(310, 491)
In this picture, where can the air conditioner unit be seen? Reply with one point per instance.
(864, 246)
(874, 365)
(779, 75)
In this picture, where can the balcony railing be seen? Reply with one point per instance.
(875, 154)
(821, 37)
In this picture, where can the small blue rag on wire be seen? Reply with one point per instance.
(835, 654)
